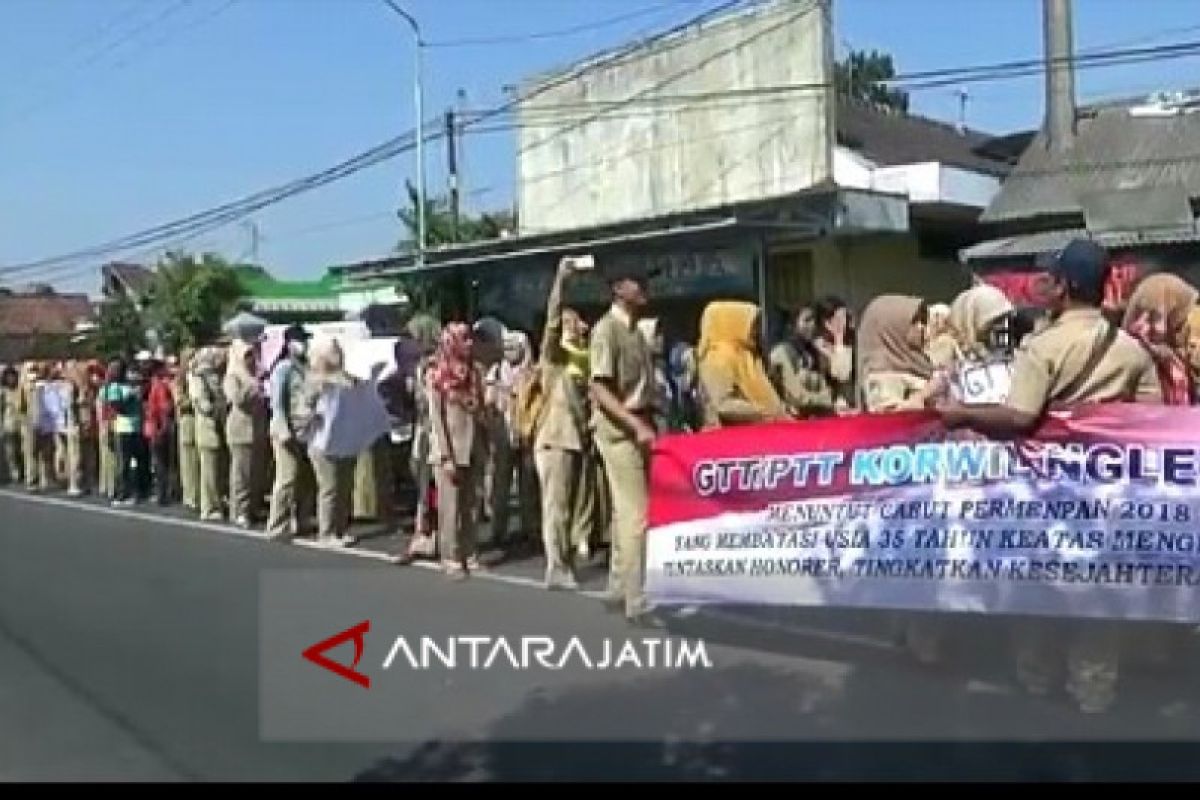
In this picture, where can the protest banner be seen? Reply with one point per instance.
(1096, 516)
(349, 419)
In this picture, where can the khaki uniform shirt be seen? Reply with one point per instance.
(247, 420)
(893, 391)
(1049, 362)
(620, 354)
(805, 390)
(455, 432)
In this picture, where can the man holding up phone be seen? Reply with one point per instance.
(622, 391)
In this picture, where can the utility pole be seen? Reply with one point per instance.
(1060, 74)
(963, 96)
(461, 153)
(419, 102)
(252, 227)
(452, 170)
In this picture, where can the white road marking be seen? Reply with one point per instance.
(489, 575)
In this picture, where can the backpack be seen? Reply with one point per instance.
(531, 406)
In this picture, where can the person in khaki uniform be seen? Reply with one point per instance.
(733, 384)
(208, 400)
(12, 422)
(334, 474)
(292, 495)
(1079, 358)
(43, 438)
(81, 431)
(185, 420)
(562, 441)
(794, 368)
(622, 391)
(245, 432)
(896, 376)
(457, 452)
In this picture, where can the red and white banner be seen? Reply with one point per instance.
(1096, 516)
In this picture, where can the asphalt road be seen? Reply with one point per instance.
(130, 650)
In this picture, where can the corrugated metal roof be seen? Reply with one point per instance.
(891, 138)
(1050, 241)
(1112, 151)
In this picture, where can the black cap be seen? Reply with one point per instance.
(1082, 265)
(628, 269)
(296, 333)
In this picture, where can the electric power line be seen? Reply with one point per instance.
(555, 34)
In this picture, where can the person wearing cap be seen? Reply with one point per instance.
(1080, 357)
(622, 390)
(293, 495)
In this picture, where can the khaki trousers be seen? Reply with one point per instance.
(374, 484)
(627, 467)
(211, 463)
(81, 463)
(29, 456)
(108, 466)
(568, 506)
(335, 494)
(457, 505)
(292, 495)
(189, 463)
(243, 488)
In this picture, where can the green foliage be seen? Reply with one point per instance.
(190, 298)
(861, 76)
(119, 331)
(439, 223)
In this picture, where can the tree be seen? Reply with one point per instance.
(190, 298)
(119, 329)
(439, 223)
(862, 76)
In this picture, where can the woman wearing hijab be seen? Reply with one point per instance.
(1160, 314)
(503, 381)
(562, 442)
(426, 331)
(245, 432)
(334, 474)
(795, 370)
(895, 370)
(1157, 315)
(81, 433)
(735, 387)
(1194, 351)
(939, 338)
(185, 418)
(208, 400)
(455, 390)
(985, 337)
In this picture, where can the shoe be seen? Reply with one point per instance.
(75, 493)
(613, 604)
(454, 571)
(243, 523)
(216, 516)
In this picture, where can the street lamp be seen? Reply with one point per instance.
(419, 99)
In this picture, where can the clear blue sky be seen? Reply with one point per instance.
(207, 100)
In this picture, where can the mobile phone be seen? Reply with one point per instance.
(580, 263)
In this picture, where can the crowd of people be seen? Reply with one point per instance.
(476, 412)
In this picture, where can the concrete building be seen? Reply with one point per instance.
(722, 157)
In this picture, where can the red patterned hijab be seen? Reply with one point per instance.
(453, 374)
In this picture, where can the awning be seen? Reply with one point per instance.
(1031, 244)
(296, 306)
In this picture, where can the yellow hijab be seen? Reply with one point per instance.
(727, 346)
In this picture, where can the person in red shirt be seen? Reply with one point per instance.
(159, 428)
